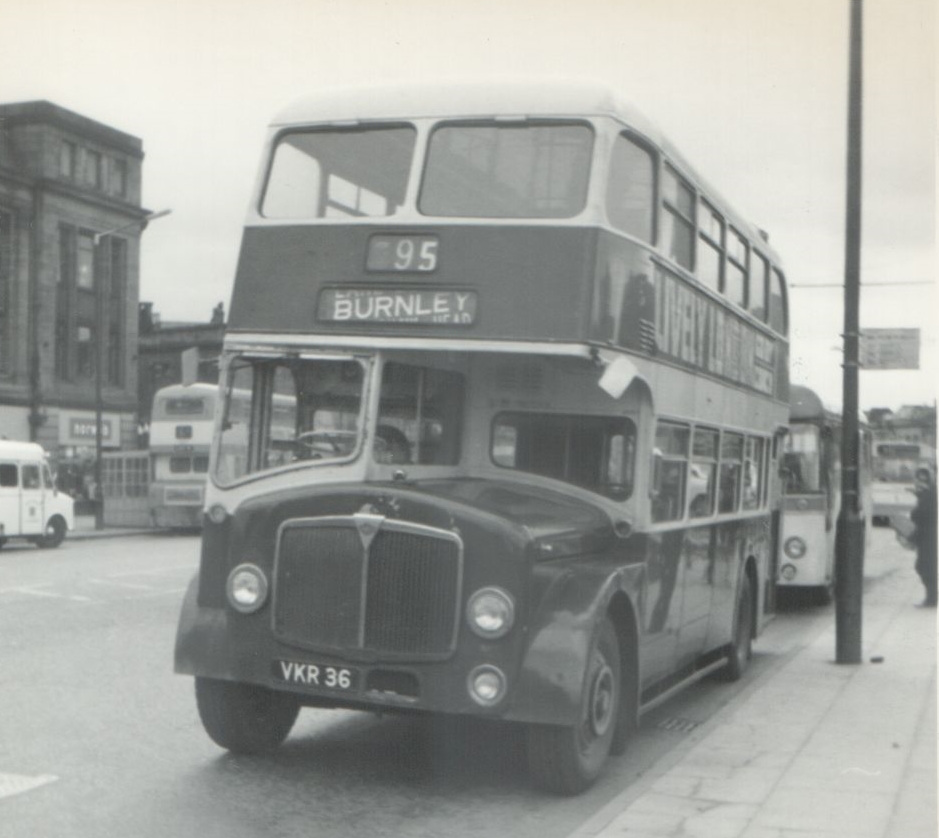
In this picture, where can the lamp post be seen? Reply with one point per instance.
(99, 346)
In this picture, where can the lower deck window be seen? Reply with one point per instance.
(594, 452)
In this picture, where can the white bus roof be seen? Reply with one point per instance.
(13, 450)
(549, 97)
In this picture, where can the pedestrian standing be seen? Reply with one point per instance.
(923, 517)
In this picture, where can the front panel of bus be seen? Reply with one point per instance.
(811, 475)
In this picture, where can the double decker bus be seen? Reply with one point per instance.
(182, 423)
(895, 463)
(811, 470)
(538, 378)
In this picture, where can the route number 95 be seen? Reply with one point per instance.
(402, 253)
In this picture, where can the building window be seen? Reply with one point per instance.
(117, 177)
(85, 355)
(67, 156)
(64, 303)
(116, 296)
(6, 290)
(85, 275)
(91, 175)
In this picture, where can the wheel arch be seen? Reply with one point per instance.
(626, 621)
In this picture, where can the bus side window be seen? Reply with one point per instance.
(703, 479)
(731, 468)
(9, 477)
(752, 473)
(670, 464)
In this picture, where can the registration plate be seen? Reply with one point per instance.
(316, 675)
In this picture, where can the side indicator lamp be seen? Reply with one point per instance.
(217, 513)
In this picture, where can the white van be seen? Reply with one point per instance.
(30, 505)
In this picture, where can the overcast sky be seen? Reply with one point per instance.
(752, 91)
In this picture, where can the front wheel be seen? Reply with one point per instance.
(54, 534)
(741, 647)
(567, 760)
(245, 718)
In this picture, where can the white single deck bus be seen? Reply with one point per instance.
(182, 423)
(537, 371)
(812, 485)
(31, 507)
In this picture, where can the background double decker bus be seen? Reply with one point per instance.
(811, 470)
(182, 422)
(535, 375)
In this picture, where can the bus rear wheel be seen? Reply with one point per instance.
(567, 760)
(245, 718)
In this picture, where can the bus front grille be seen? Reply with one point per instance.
(393, 589)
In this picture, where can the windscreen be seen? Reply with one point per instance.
(285, 411)
(802, 460)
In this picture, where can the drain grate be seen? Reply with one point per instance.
(678, 724)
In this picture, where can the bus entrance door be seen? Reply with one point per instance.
(31, 500)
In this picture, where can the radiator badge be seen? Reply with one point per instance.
(367, 523)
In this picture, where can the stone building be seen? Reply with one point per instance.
(64, 180)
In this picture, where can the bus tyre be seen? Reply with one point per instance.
(567, 760)
(741, 646)
(824, 594)
(245, 718)
(54, 534)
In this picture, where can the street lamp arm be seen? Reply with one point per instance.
(141, 222)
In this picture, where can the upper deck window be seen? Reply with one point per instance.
(678, 219)
(525, 170)
(630, 197)
(184, 406)
(778, 314)
(339, 172)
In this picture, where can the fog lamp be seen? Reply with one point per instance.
(486, 685)
(788, 572)
(795, 547)
(490, 613)
(247, 588)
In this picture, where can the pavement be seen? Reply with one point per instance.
(85, 528)
(812, 749)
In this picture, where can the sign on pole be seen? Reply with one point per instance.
(889, 349)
